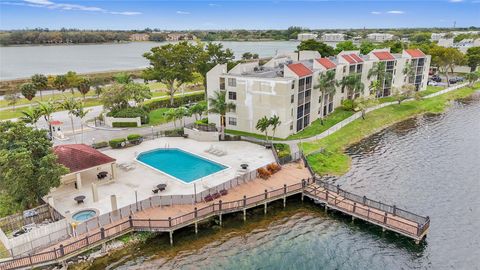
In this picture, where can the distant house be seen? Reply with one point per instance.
(467, 43)
(139, 37)
(437, 36)
(306, 36)
(333, 37)
(379, 37)
(180, 36)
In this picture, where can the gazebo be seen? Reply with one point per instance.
(85, 163)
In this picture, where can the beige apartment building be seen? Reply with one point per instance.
(285, 86)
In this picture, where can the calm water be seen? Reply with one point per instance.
(429, 165)
(23, 61)
(180, 164)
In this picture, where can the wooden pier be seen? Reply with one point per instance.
(253, 194)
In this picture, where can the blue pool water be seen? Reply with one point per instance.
(84, 215)
(180, 164)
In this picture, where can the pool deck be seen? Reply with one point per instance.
(142, 179)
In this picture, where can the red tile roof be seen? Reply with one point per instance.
(300, 69)
(327, 63)
(349, 59)
(415, 53)
(356, 58)
(79, 157)
(384, 55)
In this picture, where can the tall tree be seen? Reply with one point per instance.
(172, 64)
(123, 78)
(345, 46)
(313, 45)
(60, 83)
(381, 75)
(446, 59)
(28, 166)
(12, 99)
(46, 110)
(262, 126)
(326, 86)
(41, 83)
(353, 84)
(366, 47)
(139, 92)
(28, 90)
(472, 77)
(211, 55)
(81, 113)
(274, 121)
(473, 58)
(219, 105)
(71, 106)
(83, 86)
(72, 80)
(198, 109)
(31, 116)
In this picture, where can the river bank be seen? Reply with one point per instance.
(327, 156)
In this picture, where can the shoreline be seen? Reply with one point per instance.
(332, 159)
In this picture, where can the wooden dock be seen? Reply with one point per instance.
(239, 199)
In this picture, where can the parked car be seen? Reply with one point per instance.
(436, 78)
(456, 80)
(433, 83)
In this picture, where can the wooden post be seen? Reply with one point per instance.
(196, 212)
(220, 211)
(265, 204)
(284, 195)
(171, 238)
(169, 222)
(394, 210)
(102, 233)
(62, 252)
(196, 227)
(303, 187)
(385, 218)
(130, 221)
(244, 208)
(354, 206)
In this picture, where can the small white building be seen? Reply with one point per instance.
(306, 36)
(333, 37)
(379, 37)
(437, 36)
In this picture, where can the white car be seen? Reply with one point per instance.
(433, 83)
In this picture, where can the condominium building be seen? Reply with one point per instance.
(306, 36)
(379, 37)
(333, 37)
(286, 85)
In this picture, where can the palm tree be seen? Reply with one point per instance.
(123, 78)
(379, 72)
(47, 109)
(81, 112)
(60, 82)
(326, 86)
(198, 109)
(181, 113)
(219, 105)
(31, 116)
(353, 84)
(171, 115)
(408, 71)
(41, 83)
(71, 105)
(262, 125)
(84, 86)
(274, 121)
(28, 90)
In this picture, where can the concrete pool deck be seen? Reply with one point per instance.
(138, 182)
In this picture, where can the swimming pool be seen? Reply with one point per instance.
(84, 215)
(179, 164)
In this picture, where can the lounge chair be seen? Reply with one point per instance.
(223, 192)
(155, 190)
(216, 195)
(208, 198)
(209, 149)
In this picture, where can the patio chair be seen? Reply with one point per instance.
(155, 190)
(208, 198)
(223, 192)
(216, 195)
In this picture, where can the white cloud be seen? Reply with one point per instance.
(183, 12)
(62, 6)
(376, 12)
(395, 12)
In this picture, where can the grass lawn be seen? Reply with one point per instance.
(334, 161)
(23, 101)
(430, 90)
(3, 252)
(316, 127)
(156, 116)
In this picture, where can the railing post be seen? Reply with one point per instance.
(364, 200)
(244, 200)
(55, 252)
(385, 218)
(149, 224)
(102, 233)
(220, 205)
(394, 210)
(354, 206)
(196, 213)
(266, 194)
(169, 222)
(130, 221)
(86, 238)
(30, 258)
(284, 188)
(338, 189)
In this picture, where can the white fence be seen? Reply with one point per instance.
(38, 238)
(110, 120)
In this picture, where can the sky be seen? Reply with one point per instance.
(222, 15)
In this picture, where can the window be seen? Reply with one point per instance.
(291, 126)
(299, 111)
(232, 95)
(222, 83)
(292, 98)
(390, 64)
(232, 121)
(301, 85)
(344, 69)
(351, 69)
(232, 82)
(293, 84)
(359, 68)
(309, 82)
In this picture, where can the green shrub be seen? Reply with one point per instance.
(349, 104)
(117, 143)
(283, 150)
(135, 138)
(203, 121)
(124, 124)
(177, 101)
(131, 112)
(173, 133)
(100, 145)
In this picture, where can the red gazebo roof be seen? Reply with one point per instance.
(78, 157)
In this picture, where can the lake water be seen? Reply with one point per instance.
(429, 165)
(24, 61)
